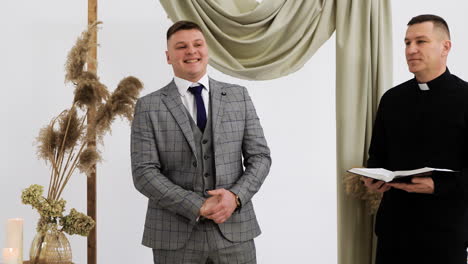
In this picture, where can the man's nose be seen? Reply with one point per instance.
(190, 49)
(411, 48)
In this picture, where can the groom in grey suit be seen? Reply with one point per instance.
(199, 154)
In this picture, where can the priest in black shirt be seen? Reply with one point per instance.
(423, 123)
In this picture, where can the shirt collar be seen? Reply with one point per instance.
(423, 86)
(437, 83)
(183, 85)
(440, 81)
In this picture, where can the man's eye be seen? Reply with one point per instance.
(180, 47)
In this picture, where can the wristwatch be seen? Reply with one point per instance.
(238, 201)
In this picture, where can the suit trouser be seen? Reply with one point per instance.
(207, 245)
(414, 248)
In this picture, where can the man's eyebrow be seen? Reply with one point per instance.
(418, 37)
(184, 42)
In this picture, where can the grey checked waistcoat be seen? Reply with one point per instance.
(205, 179)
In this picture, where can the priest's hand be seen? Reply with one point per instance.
(417, 185)
(376, 186)
(220, 206)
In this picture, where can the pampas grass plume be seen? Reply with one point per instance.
(121, 102)
(89, 157)
(355, 187)
(47, 141)
(70, 129)
(89, 91)
(77, 56)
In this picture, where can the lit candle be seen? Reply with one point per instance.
(10, 256)
(15, 236)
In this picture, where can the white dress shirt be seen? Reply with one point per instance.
(188, 99)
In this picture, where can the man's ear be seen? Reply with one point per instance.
(168, 58)
(446, 45)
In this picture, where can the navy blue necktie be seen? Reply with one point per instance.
(201, 111)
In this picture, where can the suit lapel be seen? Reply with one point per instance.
(217, 105)
(177, 109)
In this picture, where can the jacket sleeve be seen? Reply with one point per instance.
(146, 170)
(449, 184)
(256, 154)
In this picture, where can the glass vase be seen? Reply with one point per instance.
(50, 247)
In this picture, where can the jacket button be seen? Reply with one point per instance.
(206, 174)
(205, 141)
(194, 164)
(206, 157)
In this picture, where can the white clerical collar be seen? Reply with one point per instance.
(183, 85)
(423, 86)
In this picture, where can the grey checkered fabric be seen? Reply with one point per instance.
(164, 162)
(207, 245)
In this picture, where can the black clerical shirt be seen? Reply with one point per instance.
(415, 129)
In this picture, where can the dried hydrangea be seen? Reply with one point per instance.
(45, 224)
(77, 223)
(32, 195)
(52, 209)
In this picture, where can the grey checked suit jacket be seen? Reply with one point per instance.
(164, 157)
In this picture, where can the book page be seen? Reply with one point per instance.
(412, 172)
(375, 173)
(417, 171)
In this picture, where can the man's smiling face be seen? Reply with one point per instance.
(187, 52)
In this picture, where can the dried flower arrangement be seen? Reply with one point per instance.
(355, 187)
(67, 143)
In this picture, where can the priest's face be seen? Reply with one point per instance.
(187, 52)
(426, 50)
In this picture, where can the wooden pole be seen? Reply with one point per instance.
(91, 182)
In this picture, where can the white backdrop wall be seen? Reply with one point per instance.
(296, 206)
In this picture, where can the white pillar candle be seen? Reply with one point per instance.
(15, 236)
(10, 256)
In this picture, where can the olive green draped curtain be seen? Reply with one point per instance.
(268, 40)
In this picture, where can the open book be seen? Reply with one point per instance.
(388, 176)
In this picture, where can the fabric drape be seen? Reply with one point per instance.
(269, 40)
(363, 73)
(258, 41)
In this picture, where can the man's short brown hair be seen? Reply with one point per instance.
(436, 20)
(182, 25)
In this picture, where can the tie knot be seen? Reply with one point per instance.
(196, 90)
